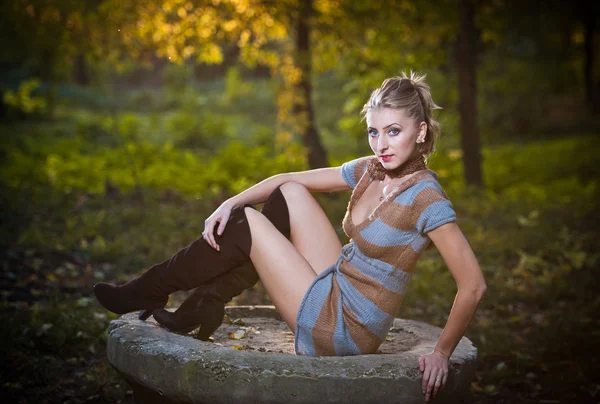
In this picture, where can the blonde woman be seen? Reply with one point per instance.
(337, 300)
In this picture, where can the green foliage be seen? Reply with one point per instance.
(235, 87)
(23, 100)
(177, 78)
(48, 347)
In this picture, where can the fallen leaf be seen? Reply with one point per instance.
(100, 316)
(44, 329)
(239, 334)
(37, 263)
(476, 387)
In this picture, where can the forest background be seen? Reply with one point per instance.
(124, 124)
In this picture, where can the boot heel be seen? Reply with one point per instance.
(206, 330)
(144, 314)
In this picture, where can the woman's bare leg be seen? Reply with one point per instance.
(284, 272)
(311, 231)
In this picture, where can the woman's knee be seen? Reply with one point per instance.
(294, 189)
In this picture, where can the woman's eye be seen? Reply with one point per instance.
(372, 132)
(394, 131)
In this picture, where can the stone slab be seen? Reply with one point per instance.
(166, 367)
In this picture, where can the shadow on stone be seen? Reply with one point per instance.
(252, 360)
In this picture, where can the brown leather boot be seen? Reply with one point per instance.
(205, 307)
(195, 265)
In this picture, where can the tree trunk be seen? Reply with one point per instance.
(317, 157)
(81, 75)
(48, 76)
(589, 23)
(467, 94)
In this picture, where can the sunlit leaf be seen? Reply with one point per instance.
(239, 334)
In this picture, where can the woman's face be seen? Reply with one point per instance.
(393, 133)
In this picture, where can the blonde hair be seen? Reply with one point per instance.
(412, 93)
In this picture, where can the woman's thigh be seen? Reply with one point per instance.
(283, 271)
(311, 231)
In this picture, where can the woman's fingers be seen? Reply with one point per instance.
(208, 234)
(212, 237)
(221, 216)
(426, 375)
(223, 223)
(435, 374)
(430, 385)
(437, 384)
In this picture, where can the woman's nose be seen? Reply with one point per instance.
(382, 142)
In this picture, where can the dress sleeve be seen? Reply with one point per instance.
(433, 208)
(353, 170)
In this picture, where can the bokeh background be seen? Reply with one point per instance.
(124, 124)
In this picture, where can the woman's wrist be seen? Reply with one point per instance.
(444, 355)
(231, 203)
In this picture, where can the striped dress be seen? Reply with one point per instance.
(349, 308)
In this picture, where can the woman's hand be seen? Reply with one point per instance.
(434, 367)
(220, 215)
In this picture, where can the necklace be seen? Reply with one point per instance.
(378, 172)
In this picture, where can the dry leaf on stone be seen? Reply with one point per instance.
(239, 334)
(476, 387)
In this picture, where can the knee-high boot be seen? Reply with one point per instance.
(205, 307)
(195, 265)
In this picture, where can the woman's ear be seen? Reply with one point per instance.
(422, 132)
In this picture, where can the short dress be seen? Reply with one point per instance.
(349, 308)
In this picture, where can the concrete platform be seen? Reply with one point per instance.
(261, 367)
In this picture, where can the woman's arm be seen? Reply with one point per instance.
(458, 255)
(317, 180)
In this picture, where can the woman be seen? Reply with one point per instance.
(337, 301)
